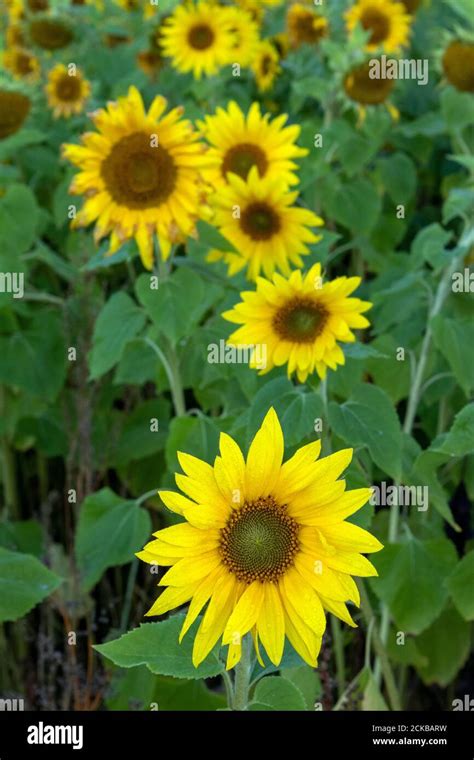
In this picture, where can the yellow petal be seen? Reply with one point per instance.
(264, 458)
(245, 614)
(271, 624)
(191, 569)
(215, 618)
(171, 598)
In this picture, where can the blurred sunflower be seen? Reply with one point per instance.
(458, 64)
(21, 63)
(246, 36)
(365, 91)
(386, 20)
(260, 221)
(66, 93)
(49, 33)
(141, 175)
(265, 543)
(300, 320)
(15, 105)
(305, 25)
(266, 66)
(198, 38)
(15, 36)
(240, 142)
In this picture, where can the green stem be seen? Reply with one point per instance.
(243, 672)
(132, 577)
(170, 365)
(10, 492)
(339, 655)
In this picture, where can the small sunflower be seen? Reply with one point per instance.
(265, 544)
(365, 91)
(305, 25)
(14, 109)
(198, 38)
(66, 92)
(300, 320)
(386, 20)
(241, 141)
(141, 175)
(258, 217)
(246, 37)
(49, 33)
(266, 66)
(21, 63)
(458, 65)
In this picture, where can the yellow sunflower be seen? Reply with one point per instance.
(198, 38)
(266, 66)
(300, 321)
(50, 33)
(246, 36)
(386, 20)
(21, 63)
(66, 92)
(458, 65)
(260, 220)
(265, 544)
(15, 107)
(241, 141)
(365, 91)
(305, 25)
(141, 175)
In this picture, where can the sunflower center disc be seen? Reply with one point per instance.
(260, 221)
(201, 37)
(377, 23)
(14, 108)
(68, 88)
(241, 158)
(300, 320)
(259, 541)
(138, 175)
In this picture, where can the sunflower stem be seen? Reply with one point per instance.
(339, 655)
(243, 672)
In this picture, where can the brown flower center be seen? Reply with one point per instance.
(377, 23)
(458, 65)
(14, 108)
(138, 175)
(301, 320)
(201, 37)
(68, 88)
(260, 221)
(49, 34)
(304, 29)
(259, 541)
(361, 88)
(241, 158)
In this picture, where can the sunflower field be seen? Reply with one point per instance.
(237, 355)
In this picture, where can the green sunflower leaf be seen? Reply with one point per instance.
(279, 693)
(24, 582)
(369, 419)
(461, 586)
(452, 337)
(119, 321)
(445, 645)
(156, 645)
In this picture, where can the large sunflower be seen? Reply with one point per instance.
(386, 21)
(299, 320)
(140, 174)
(265, 544)
(66, 92)
(240, 142)
(260, 220)
(198, 37)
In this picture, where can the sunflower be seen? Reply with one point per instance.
(458, 65)
(198, 38)
(21, 63)
(411, 5)
(300, 320)
(50, 33)
(260, 221)
(241, 141)
(246, 37)
(141, 175)
(14, 109)
(305, 25)
(265, 543)
(362, 89)
(385, 20)
(66, 93)
(266, 66)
